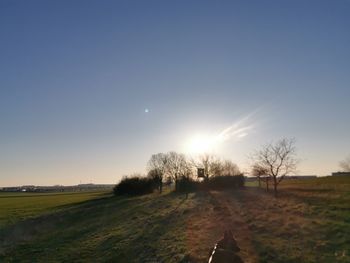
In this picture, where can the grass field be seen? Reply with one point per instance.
(308, 222)
(19, 206)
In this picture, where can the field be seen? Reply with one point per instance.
(308, 222)
(19, 206)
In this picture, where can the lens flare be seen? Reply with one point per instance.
(201, 144)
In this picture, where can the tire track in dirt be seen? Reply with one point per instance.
(229, 216)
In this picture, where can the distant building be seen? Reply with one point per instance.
(341, 174)
(287, 177)
(28, 188)
(11, 189)
(300, 177)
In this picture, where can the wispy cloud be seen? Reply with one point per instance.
(239, 129)
(235, 132)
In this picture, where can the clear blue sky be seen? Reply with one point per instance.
(77, 76)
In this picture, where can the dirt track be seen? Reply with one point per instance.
(221, 212)
(229, 215)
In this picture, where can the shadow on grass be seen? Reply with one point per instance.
(157, 237)
(108, 226)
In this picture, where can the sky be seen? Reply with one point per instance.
(90, 89)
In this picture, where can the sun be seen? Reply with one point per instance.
(200, 144)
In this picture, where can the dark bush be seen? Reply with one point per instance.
(225, 182)
(186, 184)
(136, 185)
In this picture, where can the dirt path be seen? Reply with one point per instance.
(230, 215)
(218, 212)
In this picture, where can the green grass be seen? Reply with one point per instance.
(18, 206)
(251, 184)
(106, 229)
(308, 222)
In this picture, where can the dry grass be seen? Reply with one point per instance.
(209, 222)
(308, 222)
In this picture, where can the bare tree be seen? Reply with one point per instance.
(345, 164)
(261, 173)
(278, 159)
(157, 168)
(210, 163)
(230, 168)
(215, 167)
(177, 166)
(157, 176)
(204, 162)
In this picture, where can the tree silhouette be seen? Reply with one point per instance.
(259, 172)
(177, 166)
(278, 160)
(345, 164)
(230, 168)
(157, 167)
(210, 164)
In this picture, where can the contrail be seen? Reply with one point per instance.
(237, 130)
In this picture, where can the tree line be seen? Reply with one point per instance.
(270, 164)
(180, 170)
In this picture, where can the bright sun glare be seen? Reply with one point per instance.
(201, 144)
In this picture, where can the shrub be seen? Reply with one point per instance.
(186, 184)
(136, 185)
(225, 182)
